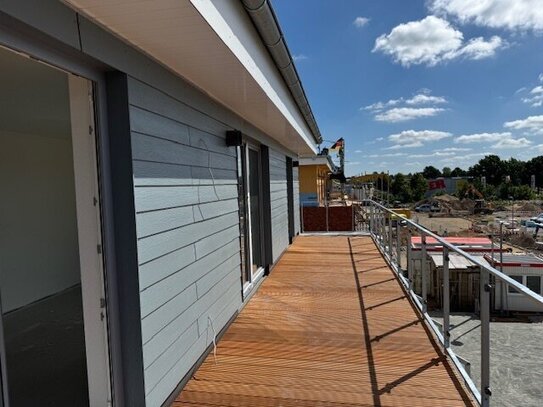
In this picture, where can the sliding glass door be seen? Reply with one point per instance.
(250, 181)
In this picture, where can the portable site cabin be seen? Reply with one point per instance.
(463, 283)
(464, 275)
(146, 162)
(527, 269)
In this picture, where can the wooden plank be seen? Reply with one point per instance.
(330, 326)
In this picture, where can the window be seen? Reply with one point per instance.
(510, 289)
(534, 283)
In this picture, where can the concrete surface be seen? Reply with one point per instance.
(516, 358)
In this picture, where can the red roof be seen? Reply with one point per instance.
(459, 241)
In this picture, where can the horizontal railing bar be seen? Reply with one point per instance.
(503, 277)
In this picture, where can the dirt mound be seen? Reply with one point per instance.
(524, 240)
(453, 203)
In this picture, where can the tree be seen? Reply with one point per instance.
(400, 188)
(520, 192)
(535, 167)
(458, 172)
(446, 171)
(516, 169)
(431, 172)
(419, 186)
(492, 167)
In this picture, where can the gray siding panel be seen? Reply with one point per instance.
(279, 203)
(188, 233)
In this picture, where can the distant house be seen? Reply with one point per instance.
(148, 185)
(314, 177)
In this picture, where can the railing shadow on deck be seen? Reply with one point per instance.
(377, 391)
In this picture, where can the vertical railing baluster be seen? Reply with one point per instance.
(423, 271)
(446, 299)
(302, 215)
(398, 245)
(371, 218)
(326, 205)
(485, 336)
(389, 217)
(410, 261)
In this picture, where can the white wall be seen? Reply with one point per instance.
(38, 232)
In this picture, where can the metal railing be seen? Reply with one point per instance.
(385, 226)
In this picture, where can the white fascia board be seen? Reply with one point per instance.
(233, 26)
(315, 160)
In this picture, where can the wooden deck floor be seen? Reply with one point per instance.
(330, 326)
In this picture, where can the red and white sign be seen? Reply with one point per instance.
(436, 184)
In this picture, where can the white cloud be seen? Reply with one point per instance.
(434, 154)
(402, 114)
(455, 149)
(536, 98)
(382, 105)
(482, 137)
(532, 124)
(386, 155)
(478, 48)
(361, 21)
(430, 41)
(414, 138)
(512, 143)
(299, 57)
(520, 15)
(425, 99)
(409, 145)
(540, 77)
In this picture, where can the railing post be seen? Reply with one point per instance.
(370, 218)
(326, 205)
(390, 236)
(446, 299)
(302, 215)
(410, 262)
(383, 231)
(398, 245)
(423, 272)
(485, 337)
(352, 215)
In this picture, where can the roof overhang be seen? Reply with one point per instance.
(320, 160)
(214, 45)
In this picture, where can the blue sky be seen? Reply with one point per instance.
(416, 83)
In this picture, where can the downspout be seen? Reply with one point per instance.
(265, 21)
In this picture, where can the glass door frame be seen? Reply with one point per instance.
(252, 277)
(83, 94)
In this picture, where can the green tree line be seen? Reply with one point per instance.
(505, 179)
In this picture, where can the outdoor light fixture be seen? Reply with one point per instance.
(233, 138)
(295, 164)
